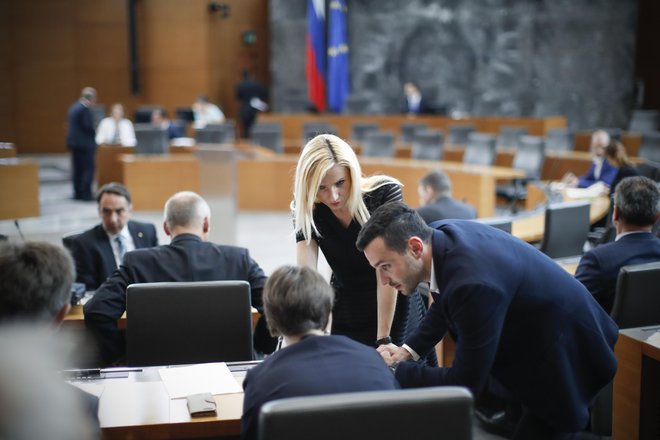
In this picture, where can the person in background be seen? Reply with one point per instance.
(252, 96)
(174, 130)
(615, 155)
(80, 139)
(601, 170)
(436, 202)
(115, 129)
(206, 113)
(99, 251)
(636, 210)
(298, 305)
(522, 324)
(413, 102)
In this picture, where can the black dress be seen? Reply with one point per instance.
(355, 313)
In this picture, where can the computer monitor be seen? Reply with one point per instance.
(151, 140)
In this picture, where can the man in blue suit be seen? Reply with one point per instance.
(297, 304)
(636, 209)
(98, 252)
(519, 320)
(600, 170)
(436, 201)
(80, 140)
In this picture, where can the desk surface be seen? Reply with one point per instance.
(138, 406)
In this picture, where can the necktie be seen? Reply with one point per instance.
(115, 137)
(121, 247)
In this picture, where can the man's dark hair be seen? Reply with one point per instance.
(113, 188)
(438, 181)
(35, 280)
(395, 222)
(297, 300)
(638, 200)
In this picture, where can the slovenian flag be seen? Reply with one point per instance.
(316, 51)
(337, 56)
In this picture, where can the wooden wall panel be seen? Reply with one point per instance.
(7, 121)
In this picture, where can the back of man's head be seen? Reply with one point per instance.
(35, 280)
(186, 210)
(438, 181)
(637, 200)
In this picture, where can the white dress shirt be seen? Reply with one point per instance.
(129, 244)
(105, 133)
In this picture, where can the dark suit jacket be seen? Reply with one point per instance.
(175, 130)
(81, 130)
(316, 365)
(446, 208)
(599, 268)
(424, 107)
(517, 316)
(623, 172)
(245, 91)
(93, 255)
(186, 258)
(607, 175)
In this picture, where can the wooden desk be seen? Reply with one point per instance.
(139, 407)
(266, 184)
(19, 188)
(7, 149)
(108, 167)
(632, 142)
(637, 380)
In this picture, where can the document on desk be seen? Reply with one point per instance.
(212, 378)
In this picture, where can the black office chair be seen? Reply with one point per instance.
(421, 413)
(459, 134)
(529, 158)
(502, 223)
(359, 130)
(643, 121)
(480, 149)
(509, 137)
(636, 304)
(312, 129)
(650, 147)
(379, 144)
(184, 115)
(216, 133)
(188, 322)
(566, 229)
(268, 135)
(143, 113)
(408, 130)
(428, 145)
(560, 139)
(151, 140)
(649, 169)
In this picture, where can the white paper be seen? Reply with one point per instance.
(654, 339)
(202, 378)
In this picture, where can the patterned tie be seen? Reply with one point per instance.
(121, 246)
(115, 137)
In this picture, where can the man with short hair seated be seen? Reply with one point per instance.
(189, 257)
(99, 251)
(436, 202)
(636, 210)
(298, 306)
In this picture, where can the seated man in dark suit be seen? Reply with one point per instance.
(436, 202)
(99, 251)
(636, 210)
(174, 130)
(35, 289)
(601, 170)
(413, 102)
(189, 257)
(519, 320)
(298, 306)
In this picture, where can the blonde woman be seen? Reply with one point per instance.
(332, 200)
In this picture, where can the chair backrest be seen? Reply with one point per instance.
(216, 133)
(459, 134)
(480, 149)
(268, 135)
(379, 144)
(566, 229)
(510, 136)
(650, 148)
(312, 129)
(650, 169)
(644, 120)
(143, 113)
(408, 130)
(431, 413)
(359, 130)
(530, 156)
(151, 140)
(637, 296)
(184, 114)
(501, 223)
(428, 145)
(559, 139)
(188, 322)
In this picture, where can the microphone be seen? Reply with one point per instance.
(18, 228)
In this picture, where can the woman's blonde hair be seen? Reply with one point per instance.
(617, 152)
(317, 157)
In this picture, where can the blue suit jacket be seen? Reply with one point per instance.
(517, 316)
(607, 175)
(316, 365)
(93, 255)
(81, 130)
(599, 268)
